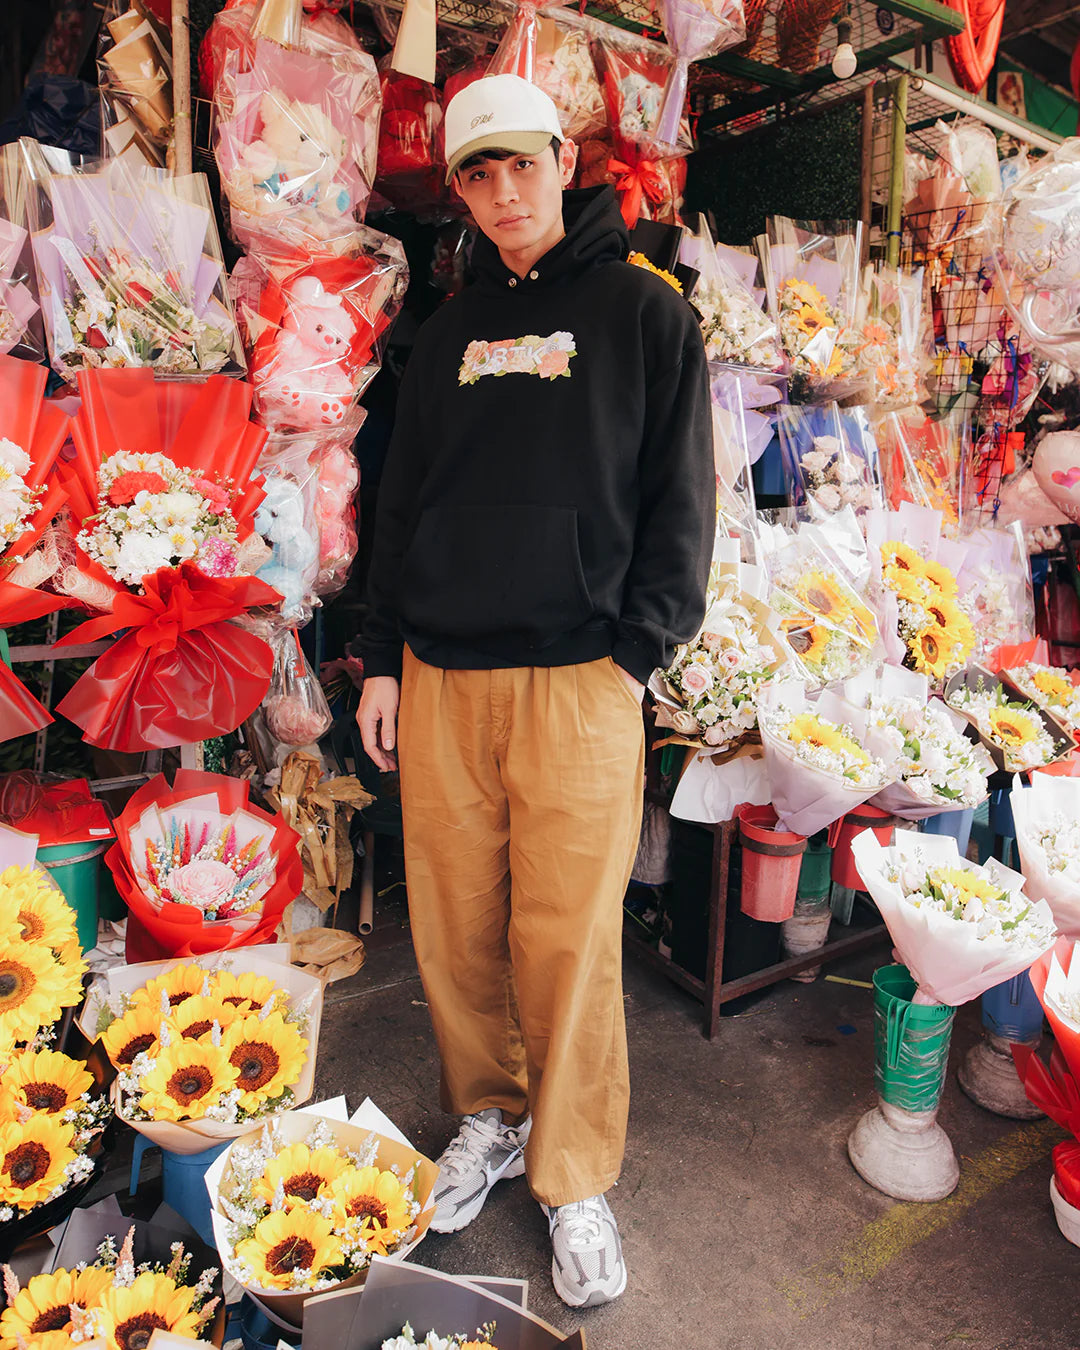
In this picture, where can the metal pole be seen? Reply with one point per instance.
(896, 182)
(181, 61)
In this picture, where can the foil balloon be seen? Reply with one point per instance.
(1056, 466)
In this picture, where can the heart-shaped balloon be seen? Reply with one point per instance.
(1057, 470)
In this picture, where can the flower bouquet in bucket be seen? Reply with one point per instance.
(206, 1049)
(960, 929)
(303, 1205)
(162, 511)
(200, 868)
(1052, 688)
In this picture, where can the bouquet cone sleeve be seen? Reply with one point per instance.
(1047, 797)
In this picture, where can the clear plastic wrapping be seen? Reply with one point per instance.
(636, 72)
(920, 458)
(135, 82)
(21, 330)
(830, 459)
(890, 353)
(317, 326)
(296, 141)
(408, 126)
(694, 30)
(517, 53)
(995, 590)
(295, 711)
(129, 268)
(735, 328)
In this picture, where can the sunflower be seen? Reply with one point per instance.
(931, 652)
(41, 1311)
(186, 1079)
(47, 1080)
(906, 585)
(807, 727)
(268, 1054)
(1055, 686)
(153, 1302)
(290, 1241)
(138, 1030)
(33, 989)
(376, 1203)
(302, 1173)
(195, 1017)
(247, 991)
(34, 1157)
(1012, 726)
(808, 640)
(940, 578)
(173, 987)
(43, 915)
(901, 557)
(820, 593)
(803, 291)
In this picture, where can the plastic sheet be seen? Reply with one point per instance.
(828, 469)
(516, 54)
(21, 330)
(295, 709)
(129, 267)
(694, 30)
(135, 82)
(408, 127)
(736, 330)
(891, 356)
(564, 69)
(920, 459)
(636, 72)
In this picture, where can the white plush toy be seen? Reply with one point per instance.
(291, 570)
(295, 159)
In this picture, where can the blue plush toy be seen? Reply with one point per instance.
(294, 563)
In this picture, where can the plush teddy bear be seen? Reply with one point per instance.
(280, 519)
(306, 381)
(296, 157)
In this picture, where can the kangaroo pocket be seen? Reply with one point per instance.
(485, 571)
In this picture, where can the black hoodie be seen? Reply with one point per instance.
(549, 494)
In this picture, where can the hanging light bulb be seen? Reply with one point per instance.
(844, 62)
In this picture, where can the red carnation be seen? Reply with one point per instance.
(128, 486)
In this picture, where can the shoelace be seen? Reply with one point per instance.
(465, 1151)
(581, 1223)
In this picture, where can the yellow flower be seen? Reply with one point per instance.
(302, 1173)
(907, 585)
(640, 260)
(376, 1203)
(931, 652)
(1054, 685)
(808, 640)
(138, 1030)
(268, 1055)
(803, 291)
(47, 1080)
(969, 884)
(821, 594)
(34, 1156)
(153, 1302)
(43, 915)
(247, 991)
(187, 1078)
(939, 576)
(902, 557)
(175, 985)
(40, 1313)
(1012, 726)
(195, 1017)
(819, 732)
(285, 1242)
(34, 987)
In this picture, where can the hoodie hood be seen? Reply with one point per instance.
(595, 234)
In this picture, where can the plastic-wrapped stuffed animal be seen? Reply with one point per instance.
(294, 564)
(306, 383)
(296, 157)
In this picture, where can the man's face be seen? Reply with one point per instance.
(517, 202)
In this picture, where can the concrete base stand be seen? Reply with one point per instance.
(804, 933)
(988, 1076)
(905, 1154)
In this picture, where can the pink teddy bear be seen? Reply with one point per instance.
(309, 384)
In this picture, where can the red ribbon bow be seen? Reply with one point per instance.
(635, 181)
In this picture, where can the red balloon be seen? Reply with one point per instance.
(972, 53)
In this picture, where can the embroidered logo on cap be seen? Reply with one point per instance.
(548, 357)
(481, 120)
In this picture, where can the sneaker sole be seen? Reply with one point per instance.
(591, 1300)
(516, 1168)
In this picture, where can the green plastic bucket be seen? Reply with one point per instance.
(911, 1042)
(76, 870)
(814, 874)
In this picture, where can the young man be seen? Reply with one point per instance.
(543, 540)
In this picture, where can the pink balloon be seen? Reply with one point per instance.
(1057, 470)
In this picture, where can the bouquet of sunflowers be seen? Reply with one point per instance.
(205, 1048)
(304, 1204)
(1051, 687)
(937, 634)
(1019, 735)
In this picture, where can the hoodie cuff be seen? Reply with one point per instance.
(635, 658)
(382, 661)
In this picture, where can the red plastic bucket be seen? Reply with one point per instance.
(844, 830)
(771, 860)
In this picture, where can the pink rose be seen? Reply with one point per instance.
(731, 658)
(695, 681)
(715, 736)
(552, 364)
(204, 883)
(711, 641)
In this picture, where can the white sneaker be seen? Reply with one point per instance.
(587, 1265)
(483, 1152)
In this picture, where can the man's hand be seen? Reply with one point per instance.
(377, 718)
(635, 686)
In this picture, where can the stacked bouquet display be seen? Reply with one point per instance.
(203, 1050)
(1019, 736)
(164, 544)
(200, 867)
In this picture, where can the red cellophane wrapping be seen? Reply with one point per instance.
(183, 670)
(231, 32)
(1067, 1038)
(409, 125)
(39, 429)
(161, 931)
(636, 72)
(1054, 1090)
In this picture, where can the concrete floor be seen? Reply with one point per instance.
(744, 1225)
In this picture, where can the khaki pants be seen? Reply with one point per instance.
(521, 792)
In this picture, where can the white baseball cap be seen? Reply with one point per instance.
(498, 112)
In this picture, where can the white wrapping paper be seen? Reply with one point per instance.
(1047, 797)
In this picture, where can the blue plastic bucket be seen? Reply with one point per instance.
(1012, 1010)
(955, 823)
(1001, 816)
(257, 1331)
(184, 1187)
